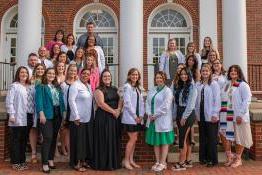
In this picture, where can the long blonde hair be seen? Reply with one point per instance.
(168, 49)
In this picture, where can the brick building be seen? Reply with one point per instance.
(143, 38)
(135, 32)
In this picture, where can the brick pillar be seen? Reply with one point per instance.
(4, 138)
(256, 129)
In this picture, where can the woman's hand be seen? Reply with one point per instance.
(152, 118)
(182, 121)
(42, 118)
(138, 120)
(239, 120)
(214, 119)
(77, 122)
(12, 120)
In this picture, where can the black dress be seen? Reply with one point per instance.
(107, 135)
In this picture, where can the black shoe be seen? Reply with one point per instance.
(52, 167)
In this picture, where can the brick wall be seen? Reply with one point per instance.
(4, 140)
(256, 149)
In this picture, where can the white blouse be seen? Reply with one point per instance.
(130, 102)
(163, 109)
(16, 104)
(80, 102)
(212, 100)
(64, 48)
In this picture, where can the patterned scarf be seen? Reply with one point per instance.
(226, 112)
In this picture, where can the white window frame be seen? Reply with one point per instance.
(167, 33)
(7, 32)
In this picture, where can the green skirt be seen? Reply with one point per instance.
(158, 138)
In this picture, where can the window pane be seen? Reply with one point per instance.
(100, 17)
(110, 41)
(13, 42)
(162, 41)
(168, 18)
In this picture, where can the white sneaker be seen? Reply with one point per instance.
(160, 167)
(155, 166)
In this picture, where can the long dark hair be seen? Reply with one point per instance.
(138, 82)
(17, 78)
(52, 50)
(181, 86)
(44, 78)
(59, 31)
(195, 66)
(102, 85)
(176, 78)
(86, 43)
(70, 34)
(240, 74)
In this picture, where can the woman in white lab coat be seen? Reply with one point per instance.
(234, 116)
(133, 113)
(208, 106)
(159, 124)
(17, 109)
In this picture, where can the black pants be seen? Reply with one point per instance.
(18, 144)
(30, 122)
(212, 130)
(202, 126)
(49, 132)
(208, 142)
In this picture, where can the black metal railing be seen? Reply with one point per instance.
(7, 73)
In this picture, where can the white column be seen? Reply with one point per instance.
(208, 21)
(29, 29)
(131, 37)
(235, 34)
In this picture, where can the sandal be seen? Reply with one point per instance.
(80, 168)
(34, 158)
(179, 167)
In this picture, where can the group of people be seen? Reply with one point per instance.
(70, 93)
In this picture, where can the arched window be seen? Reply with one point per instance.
(101, 18)
(106, 26)
(9, 33)
(168, 18)
(167, 21)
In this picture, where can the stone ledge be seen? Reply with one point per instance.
(256, 115)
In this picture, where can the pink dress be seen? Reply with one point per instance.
(94, 79)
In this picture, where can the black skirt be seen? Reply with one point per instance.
(132, 128)
(107, 136)
(182, 129)
(80, 142)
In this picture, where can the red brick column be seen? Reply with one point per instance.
(4, 138)
(256, 129)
